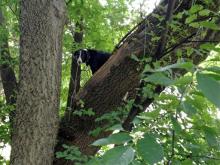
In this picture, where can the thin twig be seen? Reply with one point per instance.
(162, 43)
(183, 41)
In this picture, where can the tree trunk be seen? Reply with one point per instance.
(36, 117)
(7, 73)
(6, 70)
(74, 84)
(120, 74)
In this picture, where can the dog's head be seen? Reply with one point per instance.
(82, 56)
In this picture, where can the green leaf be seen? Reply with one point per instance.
(194, 24)
(101, 142)
(122, 155)
(187, 162)
(181, 65)
(176, 125)
(135, 58)
(209, 87)
(149, 149)
(94, 161)
(195, 8)
(149, 115)
(183, 80)
(210, 25)
(214, 76)
(214, 69)
(179, 53)
(118, 138)
(179, 15)
(210, 136)
(191, 18)
(189, 51)
(159, 78)
(204, 12)
(115, 127)
(188, 108)
(210, 47)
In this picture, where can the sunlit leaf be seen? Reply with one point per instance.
(195, 8)
(204, 12)
(183, 80)
(149, 115)
(191, 18)
(210, 25)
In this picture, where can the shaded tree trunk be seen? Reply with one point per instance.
(74, 84)
(7, 73)
(36, 117)
(6, 70)
(120, 74)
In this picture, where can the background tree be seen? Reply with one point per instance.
(7, 72)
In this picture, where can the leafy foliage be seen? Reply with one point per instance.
(72, 153)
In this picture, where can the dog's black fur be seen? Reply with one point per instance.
(95, 59)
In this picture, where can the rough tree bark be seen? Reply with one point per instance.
(7, 73)
(36, 117)
(120, 74)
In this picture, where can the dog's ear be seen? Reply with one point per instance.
(76, 54)
(86, 52)
(88, 56)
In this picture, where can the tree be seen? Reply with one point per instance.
(36, 121)
(7, 72)
(141, 67)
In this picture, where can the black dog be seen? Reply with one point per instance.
(95, 59)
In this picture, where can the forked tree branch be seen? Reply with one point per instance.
(135, 110)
